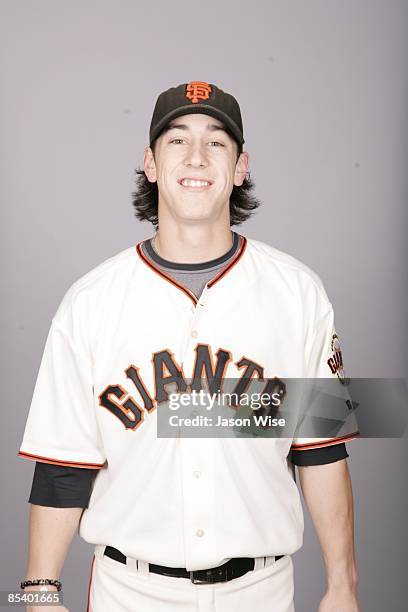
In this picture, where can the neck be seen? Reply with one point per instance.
(192, 244)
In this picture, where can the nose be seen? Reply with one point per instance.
(196, 156)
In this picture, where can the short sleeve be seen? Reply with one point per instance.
(61, 427)
(329, 406)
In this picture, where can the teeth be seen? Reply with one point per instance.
(191, 183)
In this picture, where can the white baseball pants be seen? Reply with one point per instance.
(116, 587)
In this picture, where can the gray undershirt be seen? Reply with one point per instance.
(192, 276)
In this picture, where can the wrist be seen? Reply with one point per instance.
(41, 584)
(41, 587)
(342, 575)
(343, 581)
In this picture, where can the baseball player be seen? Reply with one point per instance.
(180, 523)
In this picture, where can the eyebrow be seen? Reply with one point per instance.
(182, 126)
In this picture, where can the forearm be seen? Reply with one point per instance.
(328, 494)
(50, 535)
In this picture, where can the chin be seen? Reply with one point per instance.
(196, 214)
(194, 218)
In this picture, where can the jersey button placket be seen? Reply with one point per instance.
(193, 331)
(197, 470)
(198, 500)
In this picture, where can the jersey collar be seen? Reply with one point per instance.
(152, 265)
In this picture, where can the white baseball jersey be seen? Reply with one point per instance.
(121, 335)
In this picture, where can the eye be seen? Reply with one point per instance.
(213, 142)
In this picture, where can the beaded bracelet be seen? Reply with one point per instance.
(55, 583)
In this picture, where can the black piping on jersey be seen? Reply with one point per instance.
(217, 277)
(232, 263)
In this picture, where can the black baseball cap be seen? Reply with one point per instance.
(197, 97)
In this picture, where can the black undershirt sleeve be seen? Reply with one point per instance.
(61, 486)
(319, 456)
(71, 487)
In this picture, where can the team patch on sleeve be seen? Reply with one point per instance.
(335, 361)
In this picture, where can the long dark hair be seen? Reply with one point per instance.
(145, 200)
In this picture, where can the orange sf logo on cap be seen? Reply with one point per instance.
(198, 90)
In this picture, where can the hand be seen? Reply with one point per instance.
(50, 589)
(340, 601)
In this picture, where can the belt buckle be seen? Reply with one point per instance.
(212, 578)
(195, 580)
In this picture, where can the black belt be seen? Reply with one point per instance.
(234, 568)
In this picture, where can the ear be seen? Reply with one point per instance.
(241, 169)
(149, 165)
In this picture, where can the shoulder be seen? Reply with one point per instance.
(295, 273)
(84, 294)
(266, 255)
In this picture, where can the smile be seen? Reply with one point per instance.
(195, 184)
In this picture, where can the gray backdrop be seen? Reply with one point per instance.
(323, 90)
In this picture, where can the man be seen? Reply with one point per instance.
(183, 523)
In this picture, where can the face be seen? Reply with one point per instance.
(195, 165)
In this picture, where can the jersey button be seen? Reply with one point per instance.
(199, 533)
(194, 334)
(197, 474)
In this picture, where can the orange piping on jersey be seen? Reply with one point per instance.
(231, 264)
(324, 443)
(89, 587)
(96, 466)
(171, 280)
(216, 278)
